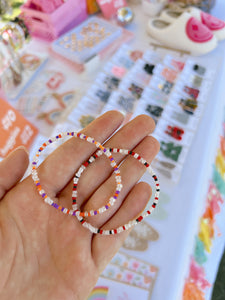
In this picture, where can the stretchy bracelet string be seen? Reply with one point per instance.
(105, 151)
(132, 222)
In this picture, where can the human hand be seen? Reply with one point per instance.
(45, 254)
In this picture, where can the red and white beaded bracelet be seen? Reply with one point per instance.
(131, 223)
(65, 210)
(112, 199)
(107, 152)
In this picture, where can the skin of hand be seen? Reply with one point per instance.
(45, 254)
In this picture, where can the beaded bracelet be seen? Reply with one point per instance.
(131, 223)
(105, 151)
(76, 178)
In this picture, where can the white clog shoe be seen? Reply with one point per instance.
(216, 25)
(184, 33)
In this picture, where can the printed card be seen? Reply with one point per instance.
(107, 289)
(15, 129)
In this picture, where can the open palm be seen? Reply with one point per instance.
(45, 254)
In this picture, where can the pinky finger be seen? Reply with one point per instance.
(12, 169)
(105, 247)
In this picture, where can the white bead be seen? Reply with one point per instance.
(142, 160)
(91, 159)
(71, 212)
(48, 200)
(115, 150)
(65, 210)
(89, 139)
(136, 155)
(41, 192)
(74, 193)
(108, 153)
(113, 164)
(118, 178)
(120, 229)
(35, 178)
(125, 151)
(132, 223)
(78, 216)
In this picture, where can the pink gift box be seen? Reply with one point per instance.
(49, 26)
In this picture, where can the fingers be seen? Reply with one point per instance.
(60, 166)
(131, 171)
(12, 169)
(105, 247)
(127, 137)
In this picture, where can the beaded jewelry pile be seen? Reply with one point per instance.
(81, 216)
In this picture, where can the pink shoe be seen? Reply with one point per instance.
(216, 25)
(184, 33)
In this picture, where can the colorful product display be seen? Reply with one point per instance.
(172, 91)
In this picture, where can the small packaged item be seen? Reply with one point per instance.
(174, 132)
(114, 70)
(122, 102)
(99, 93)
(188, 91)
(152, 57)
(86, 40)
(107, 81)
(85, 112)
(161, 85)
(174, 63)
(168, 169)
(186, 104)
(194, 81)
(130, 87)
(156, 96)
(199, 69)
(173, 151)
(167, 73)
(149, 107)
(188, 121)
(126, 57)
(142, 72)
